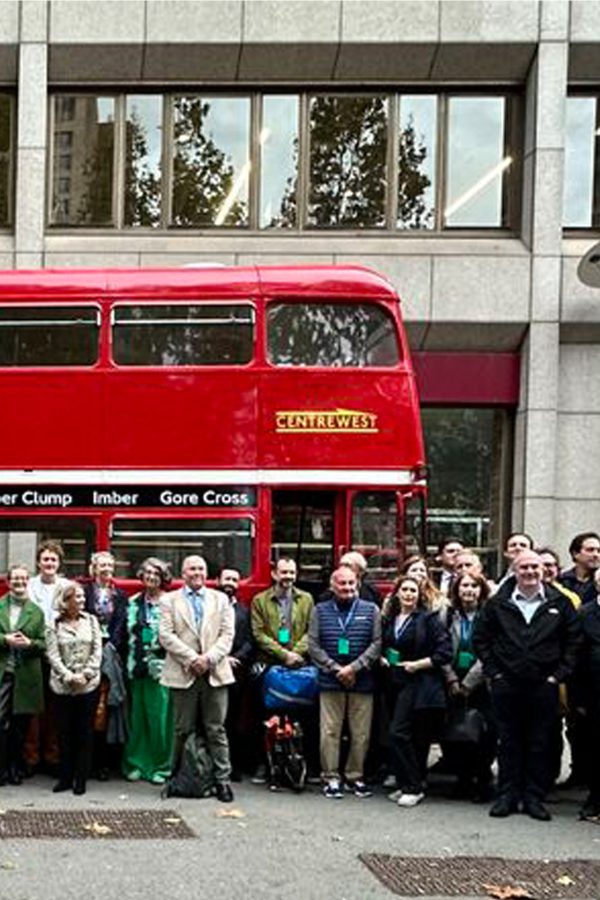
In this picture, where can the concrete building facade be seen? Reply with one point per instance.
(490, 293)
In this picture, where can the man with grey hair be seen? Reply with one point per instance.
(196, 629)
(356, 562)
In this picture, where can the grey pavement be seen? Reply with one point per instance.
(297, 847)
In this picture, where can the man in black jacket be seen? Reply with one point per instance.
(240, 658)
(527, 637)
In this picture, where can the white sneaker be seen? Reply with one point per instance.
(408, 800)
(395, 796)
(390, 781)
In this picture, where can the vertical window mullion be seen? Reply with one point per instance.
(167, 162)
(392, 161)
(595, 211)
(303, 161)
(119, 152)
(440, 162)
(50, 160)
(255, 161)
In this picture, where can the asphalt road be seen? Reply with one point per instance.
(284, 846)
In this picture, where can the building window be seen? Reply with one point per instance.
(348, 160)
(6, 157)
(468, 452)
(83, 148)
(582, 163)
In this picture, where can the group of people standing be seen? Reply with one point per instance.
(92, 680)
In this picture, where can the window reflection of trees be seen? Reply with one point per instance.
(414, 210)
(348, 171)
(203, 173)
(333, 335)
(142, 185)
(228, 341)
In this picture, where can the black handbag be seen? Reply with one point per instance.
(464, 725)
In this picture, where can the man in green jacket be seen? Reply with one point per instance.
(280, 617)
(22, 645)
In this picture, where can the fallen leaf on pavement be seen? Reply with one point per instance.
(7, 865)
(565, 879)
(506, 892)
(337, 837)
(98, 828)
(172, 820)
(230, 814)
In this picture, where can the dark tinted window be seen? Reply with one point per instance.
(222, 542)
(76, 536)
(48, 336)
(183, 335)
(331, 334)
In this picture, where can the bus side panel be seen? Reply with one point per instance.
(331, 419)
(199, 419)
(52, 419)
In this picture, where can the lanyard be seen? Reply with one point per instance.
(347, 622)
(400, 629)
(466, 631)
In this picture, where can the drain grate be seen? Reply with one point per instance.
(459, 876)
(112, 824)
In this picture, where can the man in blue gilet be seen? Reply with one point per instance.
(344, 641)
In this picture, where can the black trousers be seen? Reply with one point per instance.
(412, 731)
(525, 715)
(13, 729)
(74, 721)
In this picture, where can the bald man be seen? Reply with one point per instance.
(196, 629)
(527, 637)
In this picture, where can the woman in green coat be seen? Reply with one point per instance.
(148, 751)
(22, 645)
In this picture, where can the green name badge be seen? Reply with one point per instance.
(465, 659)
(343, 646)
(283, 635)
(393, 656)
(146, 635)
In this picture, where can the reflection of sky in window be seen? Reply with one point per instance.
(279, 130)
(228, 125)
(105, 107)
(579, 161)
(475, 148)
(148, 112)
(420, 111)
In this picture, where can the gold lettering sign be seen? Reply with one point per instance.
(324, 421)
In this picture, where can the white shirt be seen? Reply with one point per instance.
(528, 605)
(46, 594)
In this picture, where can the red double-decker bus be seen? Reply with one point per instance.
(243, 413)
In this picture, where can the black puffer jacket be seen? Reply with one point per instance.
(547, 646)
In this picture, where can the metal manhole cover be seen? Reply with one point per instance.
(457, 876)
(114, 824)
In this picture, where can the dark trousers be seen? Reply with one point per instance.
(525, 716)
(74, 722)
(13, 729)
(593, 774)
(412, 732)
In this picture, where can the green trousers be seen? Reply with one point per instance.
(150, 743)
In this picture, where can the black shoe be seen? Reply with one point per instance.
(15, 777)
(102, 774)
(224, 792)
(61, 786)
(535, 809)
(79, 787)
(503, 807)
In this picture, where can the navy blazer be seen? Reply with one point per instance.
(430, 639)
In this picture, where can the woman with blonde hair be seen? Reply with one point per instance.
(430, 595)
(74, 649)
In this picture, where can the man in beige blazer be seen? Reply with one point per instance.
(196, 629)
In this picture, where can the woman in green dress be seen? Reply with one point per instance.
(148, 751)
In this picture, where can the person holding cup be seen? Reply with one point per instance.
(416, 647)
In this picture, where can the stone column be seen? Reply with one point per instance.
(536, 426)
(32, 93)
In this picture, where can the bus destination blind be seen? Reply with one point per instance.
(127, 496)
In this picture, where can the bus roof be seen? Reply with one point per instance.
(294, 281)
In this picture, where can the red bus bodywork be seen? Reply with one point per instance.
(271, 427)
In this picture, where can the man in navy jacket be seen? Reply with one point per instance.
(344, 641)
(527, 637)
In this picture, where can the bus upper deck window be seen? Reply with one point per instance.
(49, 336)
(183, 335)
(331, 335)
